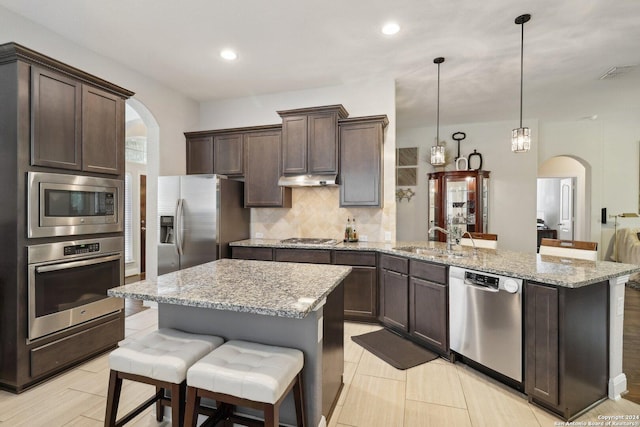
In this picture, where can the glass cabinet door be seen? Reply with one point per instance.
(434, 208)
(461, 204)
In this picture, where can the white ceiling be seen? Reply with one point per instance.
(286, 45)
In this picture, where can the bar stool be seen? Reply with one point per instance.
(160, 358)
(246, 374)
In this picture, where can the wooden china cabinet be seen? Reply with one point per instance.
(458, 200)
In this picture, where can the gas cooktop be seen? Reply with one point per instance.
(309, 241)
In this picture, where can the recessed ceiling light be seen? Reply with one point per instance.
(228, 54)
(390, 28)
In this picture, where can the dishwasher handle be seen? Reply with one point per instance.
(480, 287)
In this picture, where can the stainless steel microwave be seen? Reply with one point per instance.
(68, 205)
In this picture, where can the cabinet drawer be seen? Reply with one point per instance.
(314, 256)
(428, 271)
(61, 353)
(260, 254)
(394, 263)
(367, 259)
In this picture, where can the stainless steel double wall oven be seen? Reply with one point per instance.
(68, 278)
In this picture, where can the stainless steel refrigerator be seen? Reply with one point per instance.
(199, 216)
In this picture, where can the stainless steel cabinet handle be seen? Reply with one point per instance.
(74, 264)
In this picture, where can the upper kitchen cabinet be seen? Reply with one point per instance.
(228, 157)
(262, 152)
(458, 200)
(102, 131)
(77, 120)
(199, 153)
(361, 144)
(310, 140)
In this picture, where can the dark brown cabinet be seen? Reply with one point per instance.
(75, 126)
(228, 158)
(428, 304)
(56, 120)
(394, 292)
(313, 256)
(102, 131)
(460, 197)
(259, 254)
(262, 150)
(361, 144)
(360, 286)
(199, 154)
(310, 140)
(566, 347)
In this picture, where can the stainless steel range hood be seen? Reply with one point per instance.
(307, 181)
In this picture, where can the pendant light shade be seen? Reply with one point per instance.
(521, 137)
(438, 151)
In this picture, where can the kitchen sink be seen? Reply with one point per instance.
(433, 253)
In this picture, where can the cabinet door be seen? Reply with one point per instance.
(394, 301)
(56, 120)
(541, 354)
(360, 294)
(294, 144)
(263, 167)
(361, 164)
(323, 144)
(229, 155)
(199, 155)
(102, 131)
(428, 308)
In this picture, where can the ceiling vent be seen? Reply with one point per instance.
(615, 72)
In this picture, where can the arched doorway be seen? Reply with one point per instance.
(554, 196)
(148, 252)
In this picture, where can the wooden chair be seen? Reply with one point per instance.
(569, 249)
(482, 240)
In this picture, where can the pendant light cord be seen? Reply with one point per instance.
(438, 111)
(521, 68)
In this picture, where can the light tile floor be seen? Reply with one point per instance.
(375, 394)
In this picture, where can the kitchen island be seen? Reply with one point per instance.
(290, 305)
(573, 310)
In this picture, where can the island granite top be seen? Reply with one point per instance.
(260, 287)
(558, 271)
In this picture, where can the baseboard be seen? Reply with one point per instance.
(617, 386)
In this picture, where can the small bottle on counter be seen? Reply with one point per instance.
(347, 231)
(354, 233)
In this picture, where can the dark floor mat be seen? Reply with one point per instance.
(393, 349)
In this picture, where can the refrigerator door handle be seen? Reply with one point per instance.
(178, 226)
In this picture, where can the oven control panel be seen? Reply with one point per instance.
(82, 249)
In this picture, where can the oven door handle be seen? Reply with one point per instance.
(75, 264)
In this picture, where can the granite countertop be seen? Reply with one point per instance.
(261, 287)
(558, 271)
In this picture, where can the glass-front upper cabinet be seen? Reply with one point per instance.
(459, 202)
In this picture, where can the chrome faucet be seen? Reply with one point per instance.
(475, 250)
(445, 231)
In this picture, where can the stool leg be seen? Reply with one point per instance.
(159, 406)
(113, 398)
(177, 402)
(271, 416)
(298, 399)
(191, 410)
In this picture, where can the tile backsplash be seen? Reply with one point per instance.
(316, 212)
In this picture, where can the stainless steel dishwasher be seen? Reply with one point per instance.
(485, 320)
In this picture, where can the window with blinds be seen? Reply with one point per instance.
(128, 221)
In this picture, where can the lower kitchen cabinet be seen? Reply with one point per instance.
(394, 292)
(428, 313)
(360, 286)
(313, 256)
(259, 254)
(566, 346)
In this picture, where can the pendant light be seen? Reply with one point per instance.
(521, 137)
(437, 151)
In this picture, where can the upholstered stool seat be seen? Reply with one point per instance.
(160, 358)
(246, 374)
